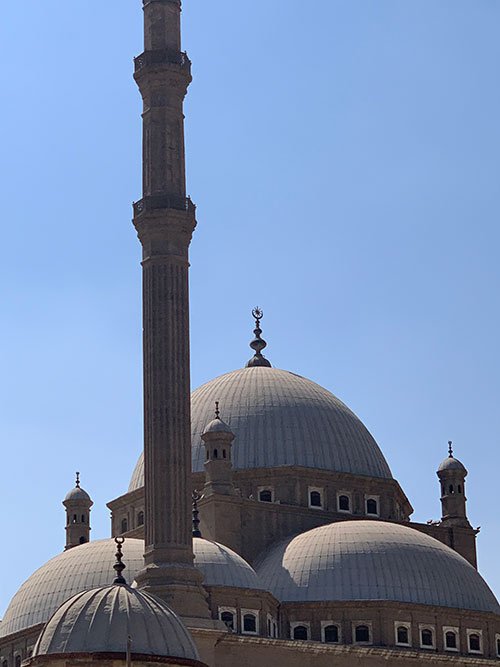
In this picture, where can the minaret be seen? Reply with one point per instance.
(452, 474)
(165, 219)
(77, 504)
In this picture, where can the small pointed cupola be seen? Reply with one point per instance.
(77, 504)
(258, 343)
(452, 474)
(218, 439)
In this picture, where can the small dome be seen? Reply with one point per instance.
(217, 426)
(77, 494)
(451, 463)
(373, 560)
(281, 419)
(79, 569)
(223, 567)
(100, 620)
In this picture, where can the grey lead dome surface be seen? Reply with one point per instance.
(281, 419)
(90, 566)
(101, 620)
(81, 568)
(373, 560)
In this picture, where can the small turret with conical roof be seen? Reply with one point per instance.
(218, 439)
(452, 474)
(77, 504)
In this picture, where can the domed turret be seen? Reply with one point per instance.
(117, 620)
(77, 503)
(452, 474)
(218, 439)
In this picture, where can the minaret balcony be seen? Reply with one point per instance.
(162, 57)
(156, 202)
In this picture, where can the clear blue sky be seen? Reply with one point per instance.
(344, 156)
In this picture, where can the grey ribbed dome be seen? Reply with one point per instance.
(223, 567)
(81, 568)
(100, 620)
(451, 463)
(77, 494)
(282, 419)
(373, 560)
(91, 565)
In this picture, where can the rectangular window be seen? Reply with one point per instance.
(250, 621)
(427, 636)
(475, 641)
(344, 502)
(451, 638)
(315, 497)
(402, 633)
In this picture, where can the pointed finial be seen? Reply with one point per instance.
(217, 411)
(119, 566)
(450, 449)
(77, 480)
(196, 514)
(258, 343)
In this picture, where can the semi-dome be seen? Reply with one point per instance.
(223, 567)
(91, 565)
(373, 560)
(281, 419)
(81, 568)
(102, 619)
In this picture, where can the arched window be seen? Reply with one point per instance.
(266, 496)
(331, 634)
(216, 454)
(83, 518)
(250, 623)
(300, 632)
(362, 633)
(427, 637)
(450, 639)
(140, 518)
(371, 506)
(223, 453)
(75, 520)
(228, 618)
(450, 488)
(498, 646)
(124, 525)
(344, 504)
(83, 540)
(315, 499)
(403, 636)
(459, 488)
(474, 642)
(18, 661)
(5, 663)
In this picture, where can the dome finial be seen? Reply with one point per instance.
(217, 411)
(196, 514)
(450, 449)
(77, 480)
(258, 343)
(119, 566)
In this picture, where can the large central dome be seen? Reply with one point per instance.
(281, 419)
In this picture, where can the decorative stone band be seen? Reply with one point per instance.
(103, 658)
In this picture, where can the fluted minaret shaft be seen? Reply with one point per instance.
(165, 221)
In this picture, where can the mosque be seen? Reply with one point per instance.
(262, 524)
